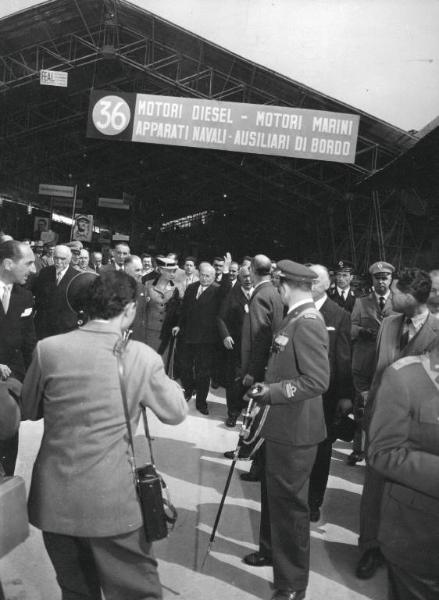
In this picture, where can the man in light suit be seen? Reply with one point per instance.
(199, 335)
(17, 333)
(404, 449)
(82, 494)
(338, 326)
(53, 314)
(367, 316)
(411, 332)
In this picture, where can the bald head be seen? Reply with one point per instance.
(261, 267)
(206, 274)
(133, 266)
(322, 283)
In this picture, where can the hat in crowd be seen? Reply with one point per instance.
(166, 263)
(343, 265)
(77, 289)
(381, 267)
(75, 245)
(293, 271)
(83, 218)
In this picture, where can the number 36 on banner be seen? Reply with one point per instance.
(111, 115)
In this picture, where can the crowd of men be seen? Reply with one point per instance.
(298, 340)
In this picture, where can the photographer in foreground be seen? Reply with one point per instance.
(82, 493)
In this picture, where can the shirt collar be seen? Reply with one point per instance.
(385, 296)
(419, 320)
(343, 292)
(297, 304)
(320, 302)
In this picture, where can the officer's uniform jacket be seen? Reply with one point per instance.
(366, 314)
(297, 376)
(404, 448)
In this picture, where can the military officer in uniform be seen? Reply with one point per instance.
(367, 316)
(293, 425)
(404, 448)
(342, 293)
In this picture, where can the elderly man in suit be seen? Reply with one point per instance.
(404, 449)
(53, 314)
(293, 425)
(133, 267)
(367, 316)
(198, 329)
(82, 494)
(230, 319)
(17, 333)
(338, 326)
(411, 332)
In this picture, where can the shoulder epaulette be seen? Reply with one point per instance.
(405, 361)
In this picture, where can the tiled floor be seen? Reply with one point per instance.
(190, 457)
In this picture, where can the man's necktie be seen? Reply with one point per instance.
(405, 336)
(381, 302)
(5, 298)
(200, 291)
(58, 277)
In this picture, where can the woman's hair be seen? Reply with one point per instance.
(109, 294)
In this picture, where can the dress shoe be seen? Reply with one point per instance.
(369, 563)
(255, 559)
(249, 477)
(314, 515)
(202, 408)
(229, 454)
(289, 595)
(355, 457)
(231, 421)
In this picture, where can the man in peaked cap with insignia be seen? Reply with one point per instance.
(296, 376)
(342, 292)
(367, 316)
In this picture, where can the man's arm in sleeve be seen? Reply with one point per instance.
(32, 391)
(343, 362)
(390, 451)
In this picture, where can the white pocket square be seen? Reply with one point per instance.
(330, 328)
(26, 313)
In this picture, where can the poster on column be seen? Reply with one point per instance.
(83, 228)
(232, 126)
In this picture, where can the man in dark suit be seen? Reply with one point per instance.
(17, 333)
(133, 267)
(53, 314)
(262, 320)
(199, 332)
(411, 332)
(231, 315)
(342, 292)
(338, 326)
(404, 449)
(291, 393)
(121, 253)
(367, 316)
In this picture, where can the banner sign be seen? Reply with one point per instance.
(55, 78)
(233, 126)
(65, 191)
(118, 203)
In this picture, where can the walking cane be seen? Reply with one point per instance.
(243, 433)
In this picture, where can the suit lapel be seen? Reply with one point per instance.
(423, 338)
